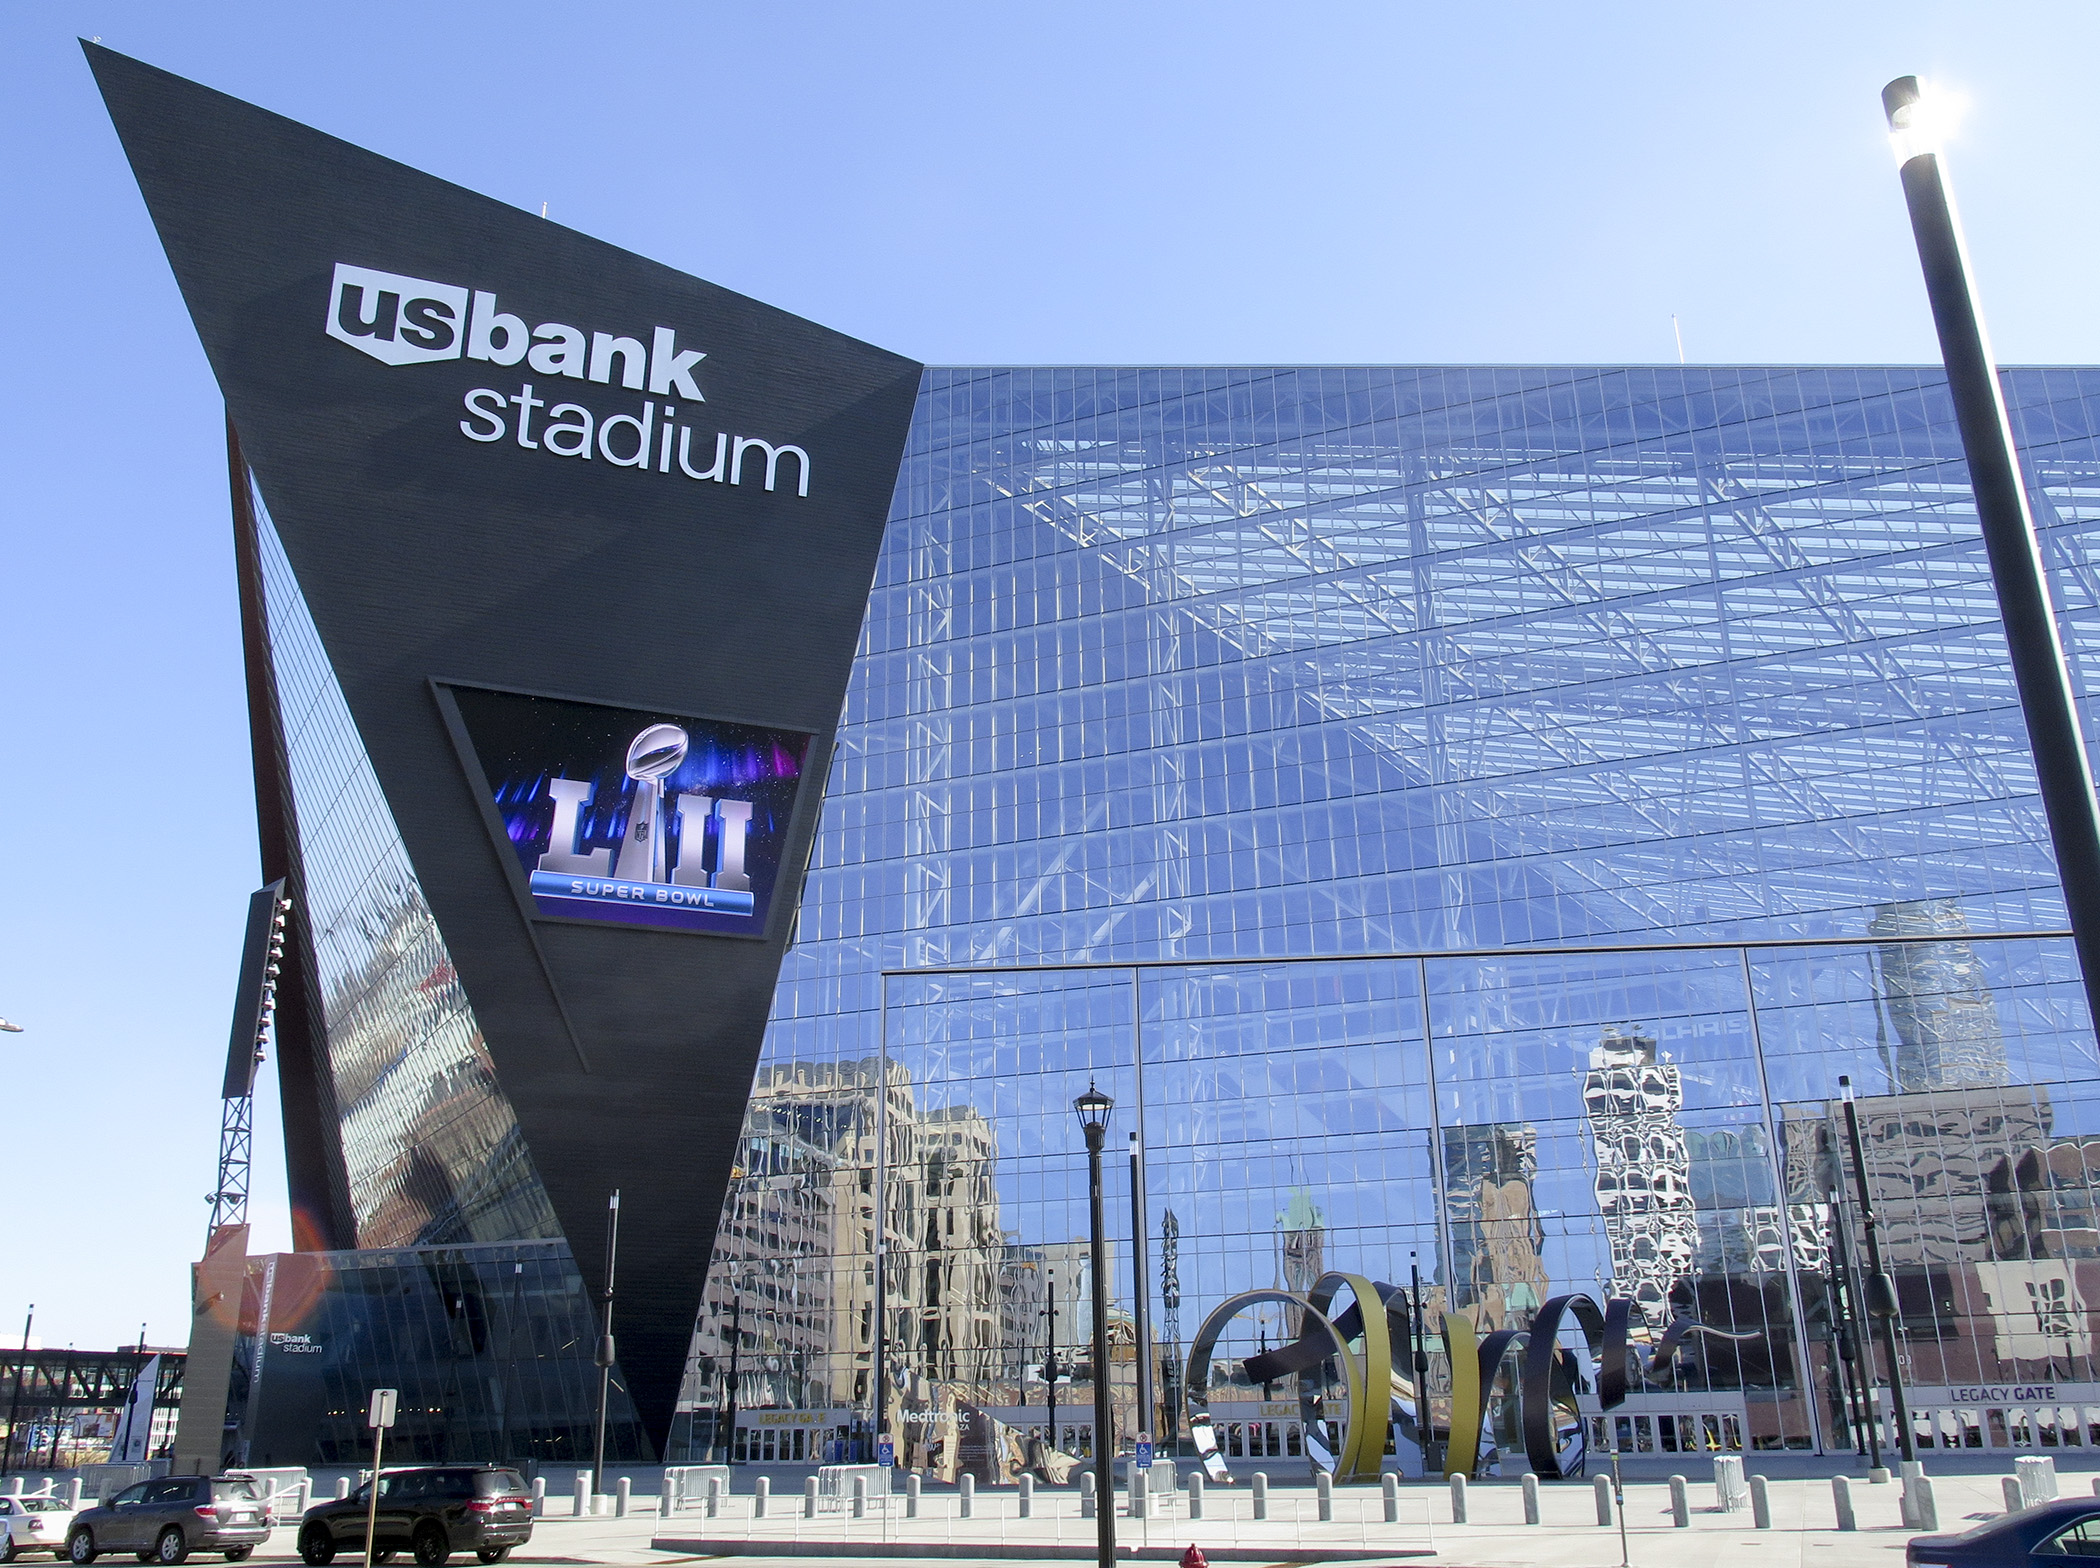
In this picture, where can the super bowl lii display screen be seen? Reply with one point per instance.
(638, 817)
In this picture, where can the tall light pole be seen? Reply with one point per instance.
(2037, 654)
(1880, 1293)
(14, 1404)
(1092, 1109)
(605, 1343)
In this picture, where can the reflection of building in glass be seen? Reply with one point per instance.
(789, 1313)
(1944, 1016)
(1494, 1222)
(1643, 1183)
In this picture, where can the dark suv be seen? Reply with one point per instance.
(433, 1511)
(166, 1520)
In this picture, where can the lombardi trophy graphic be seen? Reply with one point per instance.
(652, 757)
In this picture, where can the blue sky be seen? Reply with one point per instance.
(966, 183)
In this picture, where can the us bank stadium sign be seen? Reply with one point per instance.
(402, 321)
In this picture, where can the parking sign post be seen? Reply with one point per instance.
(378, 1418)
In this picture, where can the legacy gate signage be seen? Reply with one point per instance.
(587, 542)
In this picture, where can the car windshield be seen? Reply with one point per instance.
(494, 1483)
(234, 1491)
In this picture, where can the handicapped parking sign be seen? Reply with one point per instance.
(1144, 1451)
(886, 1452)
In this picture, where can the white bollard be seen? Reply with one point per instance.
(623, 1494)
(1601, 1488)
(1458, 1499)
(1137, 1493)
(73, 1495)
(860, 1497)
(2009, 1485)
(967, 1497)
(714, 1496)
(1760, 1503)
(1261, 1495)
(1680, 1504)
(1841, 1500)
(1531, 1498)
(1389, 1486)
(911, 1495)
(1924, 1508)
(580, 1504)
(1196, 1493)
(809, 1497)
(1088, 1502)
(761, 1494)
(1730, 1491)
(13, 1487)
(342, 1487)
(1323, 1490)
(1027, 1496)
(2037, 1476)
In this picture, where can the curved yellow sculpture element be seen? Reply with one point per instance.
(1462, 1349)
(1369, 1375)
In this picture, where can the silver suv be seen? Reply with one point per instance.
(164, 1521)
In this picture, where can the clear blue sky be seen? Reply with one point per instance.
(972, 182)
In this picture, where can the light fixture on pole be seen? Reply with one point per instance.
(1092, 1109)
(1917, 121)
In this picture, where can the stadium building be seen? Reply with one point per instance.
(1467, 817)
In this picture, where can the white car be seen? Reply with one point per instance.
(33, 1524)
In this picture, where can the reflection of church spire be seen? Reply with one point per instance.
(1945, 1018)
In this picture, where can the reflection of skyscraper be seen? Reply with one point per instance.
(1644, 1189)
(1945, 1018)
(1301, 1249)
(1495, 1231)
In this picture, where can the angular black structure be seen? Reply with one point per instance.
(503, 457)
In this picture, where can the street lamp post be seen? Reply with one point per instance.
(1050, 1355)
(605, 1343)
(2061, 769)
(1880, 1302)
(1092, 1109)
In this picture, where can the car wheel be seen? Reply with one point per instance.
(80, 1547)
(7, 1548)
(493, 1554)
(238, 1554)
(316, 1546)
(432, 1549)
(171, 1547)
(384, 1557)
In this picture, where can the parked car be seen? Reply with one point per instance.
(33, 1524)
(166, 1520)
(431, 1510)
(2067, 1529)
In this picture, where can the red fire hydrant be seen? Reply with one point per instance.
(1194, 1558)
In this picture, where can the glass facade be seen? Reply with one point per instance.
(490, 1347)
(431, 1147)
(1655, 722)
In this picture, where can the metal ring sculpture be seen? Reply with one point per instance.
(1546, 1385)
